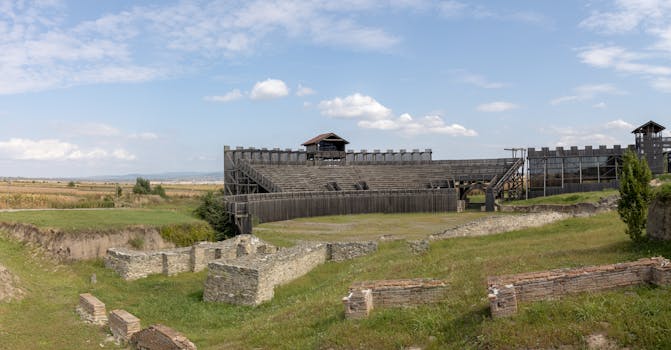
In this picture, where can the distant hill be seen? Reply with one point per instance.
(167, 177)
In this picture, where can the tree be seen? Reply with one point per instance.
(71, 184)
(635, 195)
(142, 186)
(213, 210)
(159, 190)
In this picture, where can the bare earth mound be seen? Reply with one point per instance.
(8, 286)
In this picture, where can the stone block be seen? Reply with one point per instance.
(91, 309)
(123, 325)
(502, 301)
(160, 337)
(358, 304)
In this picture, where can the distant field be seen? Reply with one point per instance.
(566, 198)
(362, 227)
(55, 194)
(98, 219)
(308, 313)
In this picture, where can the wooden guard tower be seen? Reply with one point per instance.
(327, 148)
(650, 144)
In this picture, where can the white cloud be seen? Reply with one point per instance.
(498, 106)
(594, 139)
(354, 106)
(123, 154)
(406, 124)
(374, 115)
(269, 89)
(621, 60)
(93, 129)
(480, 81)
(143, 136)
(646, 17)
(304, 91)
(600, 105)
(619, 124)
(54, 149)
(227, 97)
(588, 92)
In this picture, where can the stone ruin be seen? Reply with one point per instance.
(251, 279)
(133, 264)
(91, 310)
(126, 328)
(659, 220)
(160, 337)
(505, 292)
(367, 295)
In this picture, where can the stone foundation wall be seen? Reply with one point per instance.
(505, 292)
(341, 251)
(251, 280)
(392, 293)
(133, 264)
(603, 205)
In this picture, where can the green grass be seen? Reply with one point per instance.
(364, 227)
(566, 198)
(308, 313)
(98, 219)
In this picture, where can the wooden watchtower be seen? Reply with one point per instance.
(650, 145)
(327, 148)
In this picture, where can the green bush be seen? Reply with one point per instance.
(635, 195)
(184, 235)
(213, 210)
(159, 190)
(142, 186)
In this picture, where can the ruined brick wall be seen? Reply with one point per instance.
(251, 280)
(123, 325)
(340, 251)
(91, 309)
(508, 290)
(176, 261)
(392, 293)
(160, 337)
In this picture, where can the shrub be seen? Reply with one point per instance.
(159, 190)
(71, 184)
(212, 209)
(184, 235)
(142, 186)
(635, 195)
(663, 193)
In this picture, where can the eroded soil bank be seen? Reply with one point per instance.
(86, 244)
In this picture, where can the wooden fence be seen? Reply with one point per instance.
(268, 207)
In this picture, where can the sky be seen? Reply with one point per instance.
(117, 86)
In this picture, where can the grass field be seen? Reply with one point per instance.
(57, 194)
(365, 227)
(308, 314)
(73, 220)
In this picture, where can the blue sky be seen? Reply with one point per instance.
(114, 87)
